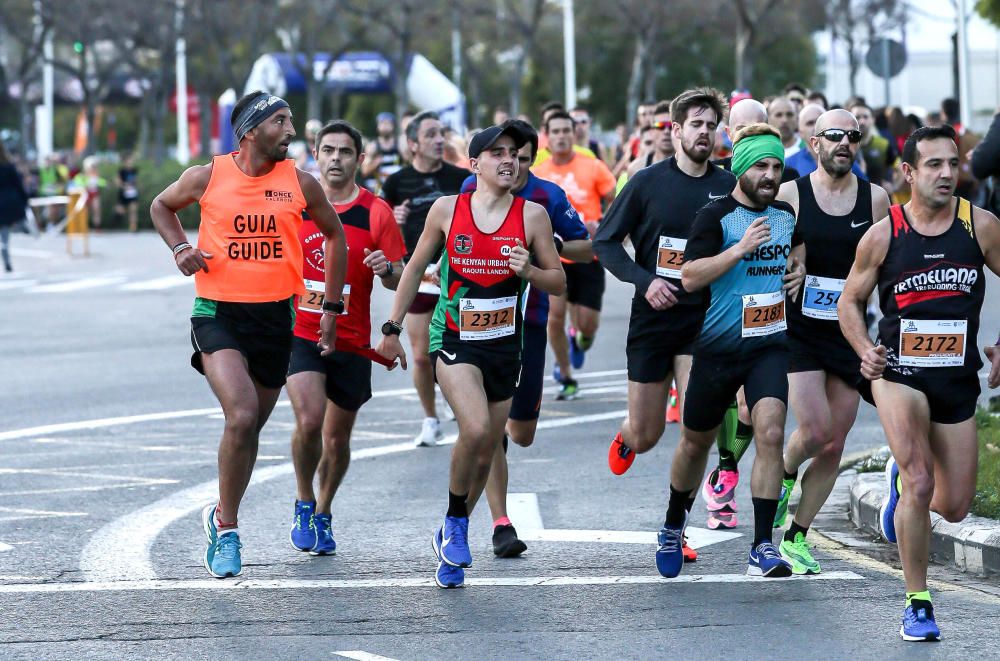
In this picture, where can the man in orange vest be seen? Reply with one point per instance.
(247, 268)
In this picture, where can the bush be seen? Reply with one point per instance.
(987, 500)
(152, 180)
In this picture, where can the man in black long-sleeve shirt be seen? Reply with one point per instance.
(656, 209)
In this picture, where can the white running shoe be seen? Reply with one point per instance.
(430, 434)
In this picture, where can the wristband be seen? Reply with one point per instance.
(181, 247)
(388, 270)
(559, 243)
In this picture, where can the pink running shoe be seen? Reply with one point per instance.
(724, 518)
(720, 489)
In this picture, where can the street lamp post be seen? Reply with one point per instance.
(183, 148)
(569, 52)
(964, 93)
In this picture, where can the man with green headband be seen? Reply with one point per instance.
(738, 248)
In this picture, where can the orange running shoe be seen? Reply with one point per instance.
(620, 456)
(690, 555)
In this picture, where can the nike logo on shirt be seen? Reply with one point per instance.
(855, 225)
(449, 356)
(715, 197)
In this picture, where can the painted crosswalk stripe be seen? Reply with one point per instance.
(77, 285)
(157, 284)
(361, 655)
(402, 582)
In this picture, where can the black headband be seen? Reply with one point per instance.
(263, 106)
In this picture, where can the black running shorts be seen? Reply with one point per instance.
(833, 356)
(585, 284)
(714, 381)
(262, 332)
(527, 401)
(952, 398)
(348, 375)
(656, 337)
(500, 369)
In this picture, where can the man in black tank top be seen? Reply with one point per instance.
(927, 259)
(834, 208)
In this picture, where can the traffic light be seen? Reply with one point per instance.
(78, 46)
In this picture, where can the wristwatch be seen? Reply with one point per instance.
(388, 270)
(333, 307)
(392, 328)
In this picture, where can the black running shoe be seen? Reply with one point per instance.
(506, 544)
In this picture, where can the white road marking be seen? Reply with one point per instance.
(16, 284)
(120, 550)
(77, 285)
(157, 284)
(16, 514)
(367, 584)
(5, 547)
(360, 655)
(31, 252)
(523, 510)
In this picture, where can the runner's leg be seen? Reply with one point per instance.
(768, 417)
(246, 406)
(337, 427)
(956, 460)
(642, 429)
(557, 335)
(462, 385)
(418, 327)
(905, 416)
(305, 390)
(586, 321)
(498, 412)
(819, 478)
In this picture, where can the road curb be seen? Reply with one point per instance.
(971, 546)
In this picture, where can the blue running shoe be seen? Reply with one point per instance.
(324, 536)
(303, 533)
(452, 542)
(576, 354)
(208, 523)
(448, 577)
(766, 561)
(918, 623)
(670, 553)
(226, 560)
(887, 513)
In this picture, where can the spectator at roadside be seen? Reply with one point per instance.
(13, 200)
(128, 191)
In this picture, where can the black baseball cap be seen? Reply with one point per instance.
(488, 136)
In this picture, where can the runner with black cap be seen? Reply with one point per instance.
(247, 268)
(489, 239)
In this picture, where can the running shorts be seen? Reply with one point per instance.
(656, 337)
(833, 356)
(500, 369)
(423, 303)
(527, 401)
(952, 398)
(585, 284)
(262, 332)
(348, 375)
(714, 381)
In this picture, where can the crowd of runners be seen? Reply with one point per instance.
(752, 283)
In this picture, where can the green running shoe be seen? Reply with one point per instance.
(782, 513)
(570, 390)
(797, 553)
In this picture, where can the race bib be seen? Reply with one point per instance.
(763, 314)
(312, 300)
(932, 343)
(670, 256)
(130, 192)
(427, 285)
(819, 299)
(486, 318)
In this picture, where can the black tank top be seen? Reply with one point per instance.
(831, 242)
(931, 290)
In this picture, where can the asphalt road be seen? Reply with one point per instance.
(107, 454)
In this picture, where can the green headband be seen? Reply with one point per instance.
(753, 148)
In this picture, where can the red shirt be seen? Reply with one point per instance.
(368, 223)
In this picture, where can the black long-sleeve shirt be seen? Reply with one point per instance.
(986, 157)
(13, 197)
(657, 209)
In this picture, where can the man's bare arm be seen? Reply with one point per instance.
(163, 211)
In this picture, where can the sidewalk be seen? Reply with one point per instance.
(971, 546)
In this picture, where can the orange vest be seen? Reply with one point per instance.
(250, 226)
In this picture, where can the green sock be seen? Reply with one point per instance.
(744, 436)
(724, 439)
(920, 596)
(582, 341)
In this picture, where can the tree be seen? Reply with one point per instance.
(750, 14)
(858, 23)
(990, 10)
(22, 35)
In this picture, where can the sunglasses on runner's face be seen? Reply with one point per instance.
(659, 126)
(836, 135)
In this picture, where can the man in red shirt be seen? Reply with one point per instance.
(326, 392)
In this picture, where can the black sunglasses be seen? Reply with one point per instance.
(836, 135)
